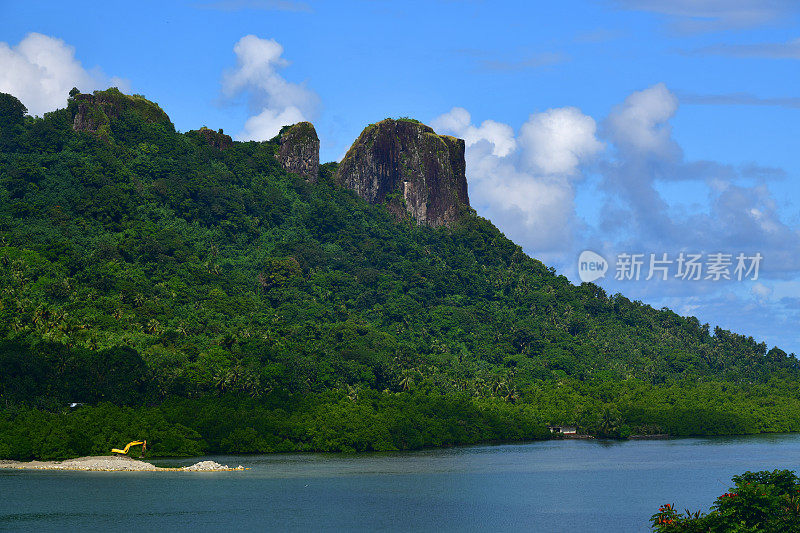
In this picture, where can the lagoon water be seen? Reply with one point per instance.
(540, 486)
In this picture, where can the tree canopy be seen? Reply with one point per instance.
(141, 268)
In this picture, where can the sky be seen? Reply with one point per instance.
(628, 128)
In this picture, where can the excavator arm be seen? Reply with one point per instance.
(127, 447)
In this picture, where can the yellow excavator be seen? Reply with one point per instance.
(127, 447)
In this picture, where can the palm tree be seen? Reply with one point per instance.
(407, 382)
(512, 396)
(608, 423)
(153, 327)
(39, 316)
(499, 387)
(352, 393)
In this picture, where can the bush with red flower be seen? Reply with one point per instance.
(759, 501)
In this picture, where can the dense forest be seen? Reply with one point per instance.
(207, 300)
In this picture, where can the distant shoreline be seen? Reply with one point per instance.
(126, 464)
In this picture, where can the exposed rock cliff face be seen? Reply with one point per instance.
(299, 150)
(409, 166)
(217, 139)
(92, 112)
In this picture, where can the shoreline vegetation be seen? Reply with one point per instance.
(373, 421)
(197, 295)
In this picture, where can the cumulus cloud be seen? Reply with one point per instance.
(529, 183)
(641, 123)
(558, 141)
(536, 211)
(458, 121)
(643, 149)
(733, 216)
(268, 123)
(274, 101)
(40, 70)
(524, 182)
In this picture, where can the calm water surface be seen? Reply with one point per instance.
(542, 486)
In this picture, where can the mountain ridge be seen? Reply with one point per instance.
(153, 271)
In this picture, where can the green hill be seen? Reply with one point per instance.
(207, 300)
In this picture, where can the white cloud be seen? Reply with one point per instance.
(532, 189)
(459, 122)
(275, 101)
(268, 123)
(523, 183)
(558, 140)
(733, 215)
(41, 70)
(527, 183)
(641, 122)
(535, 211)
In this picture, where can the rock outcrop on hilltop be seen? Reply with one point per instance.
(299, 150)
(92, 112)
(217, 139)
(405, 164)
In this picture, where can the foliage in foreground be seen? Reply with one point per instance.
(758, 502)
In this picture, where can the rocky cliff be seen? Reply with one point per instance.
(217, 139)
(299, 150)
(92, 112)
(407, 165)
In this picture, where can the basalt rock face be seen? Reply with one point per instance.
(299, 150)
(406, 165)
(217, 139)
(93, 112)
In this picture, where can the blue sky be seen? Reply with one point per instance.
(641, 126)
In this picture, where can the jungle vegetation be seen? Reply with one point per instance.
(208, 301)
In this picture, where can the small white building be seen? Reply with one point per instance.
(564, 430)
